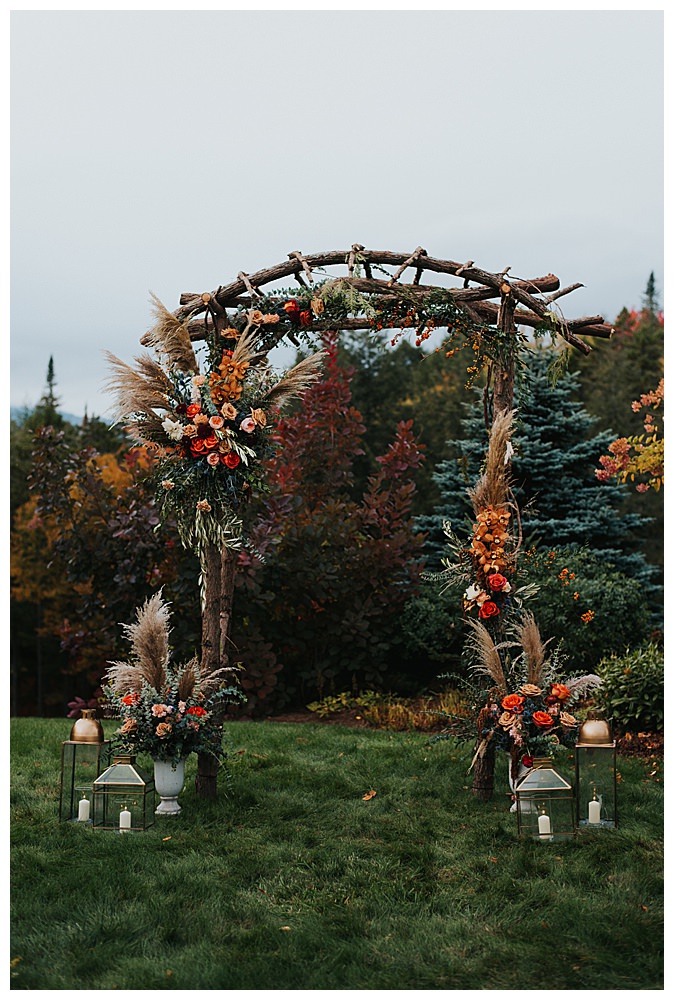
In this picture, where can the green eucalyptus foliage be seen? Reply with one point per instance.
(633, 692)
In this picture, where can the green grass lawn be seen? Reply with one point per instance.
(292, 881)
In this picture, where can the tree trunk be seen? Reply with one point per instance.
(483, 776)
(220, 565)
(502, 400)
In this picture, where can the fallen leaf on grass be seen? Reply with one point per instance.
(284, 928)
(369, 795)
(165, 838)
(260, 756)
(644, 908)
(494, 860)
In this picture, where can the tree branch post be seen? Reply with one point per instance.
(219, 568)
(503, 398)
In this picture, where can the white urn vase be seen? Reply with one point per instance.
(169, 780)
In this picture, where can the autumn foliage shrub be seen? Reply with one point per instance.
(326, 583)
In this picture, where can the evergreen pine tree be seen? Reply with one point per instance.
(556, 452)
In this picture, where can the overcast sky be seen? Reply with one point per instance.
(167, 151)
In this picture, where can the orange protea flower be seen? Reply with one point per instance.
(560, 692)
(542, 720)
(512, 702)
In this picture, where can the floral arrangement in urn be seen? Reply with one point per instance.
(167, 711)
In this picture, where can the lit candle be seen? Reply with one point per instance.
(83, 810)
(594, 811)
(544, 826)
(124, 820)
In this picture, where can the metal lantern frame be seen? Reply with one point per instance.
(123, 786)
(543, 792)
(596, 780)
(83, 757)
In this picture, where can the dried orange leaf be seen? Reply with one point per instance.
(284, 928)
(165, 838)
(369, 795)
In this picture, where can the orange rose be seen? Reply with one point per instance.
(542, 720)
(232, 460)
(488, 610)
(193, 409)
(560, 692)
(512, 702)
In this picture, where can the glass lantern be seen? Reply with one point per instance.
(124, 797)
(545, 807)
(596, 776)
(83, 757)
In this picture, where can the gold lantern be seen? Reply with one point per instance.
(596, 776)
(124, 797)
(83, 757)
(545, 807)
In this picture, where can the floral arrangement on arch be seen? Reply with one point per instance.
(528, 711)
(210, 420)
(167, 711)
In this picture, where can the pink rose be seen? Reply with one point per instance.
(159, 711)
(216, 422)
(248, 425)
(213, 458)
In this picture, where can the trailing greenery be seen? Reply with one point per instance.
(295, 880)
(633, 692)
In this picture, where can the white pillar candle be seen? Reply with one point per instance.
(544, 826)
(83, 810)
(124, 820)
(594, 812)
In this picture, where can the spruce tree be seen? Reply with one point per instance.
(556, 453)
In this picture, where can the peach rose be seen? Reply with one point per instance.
(130, 726)
(260, 417)
(255, 317)
(248, 425)
(567, 720)
(213, 458)
(200, 418)
(163, 729)
(507, 720)
(530, 690)
(203, 506)
(228, 411)
(190, 431)
(216, 422)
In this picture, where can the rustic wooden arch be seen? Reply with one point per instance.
(491, 300)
